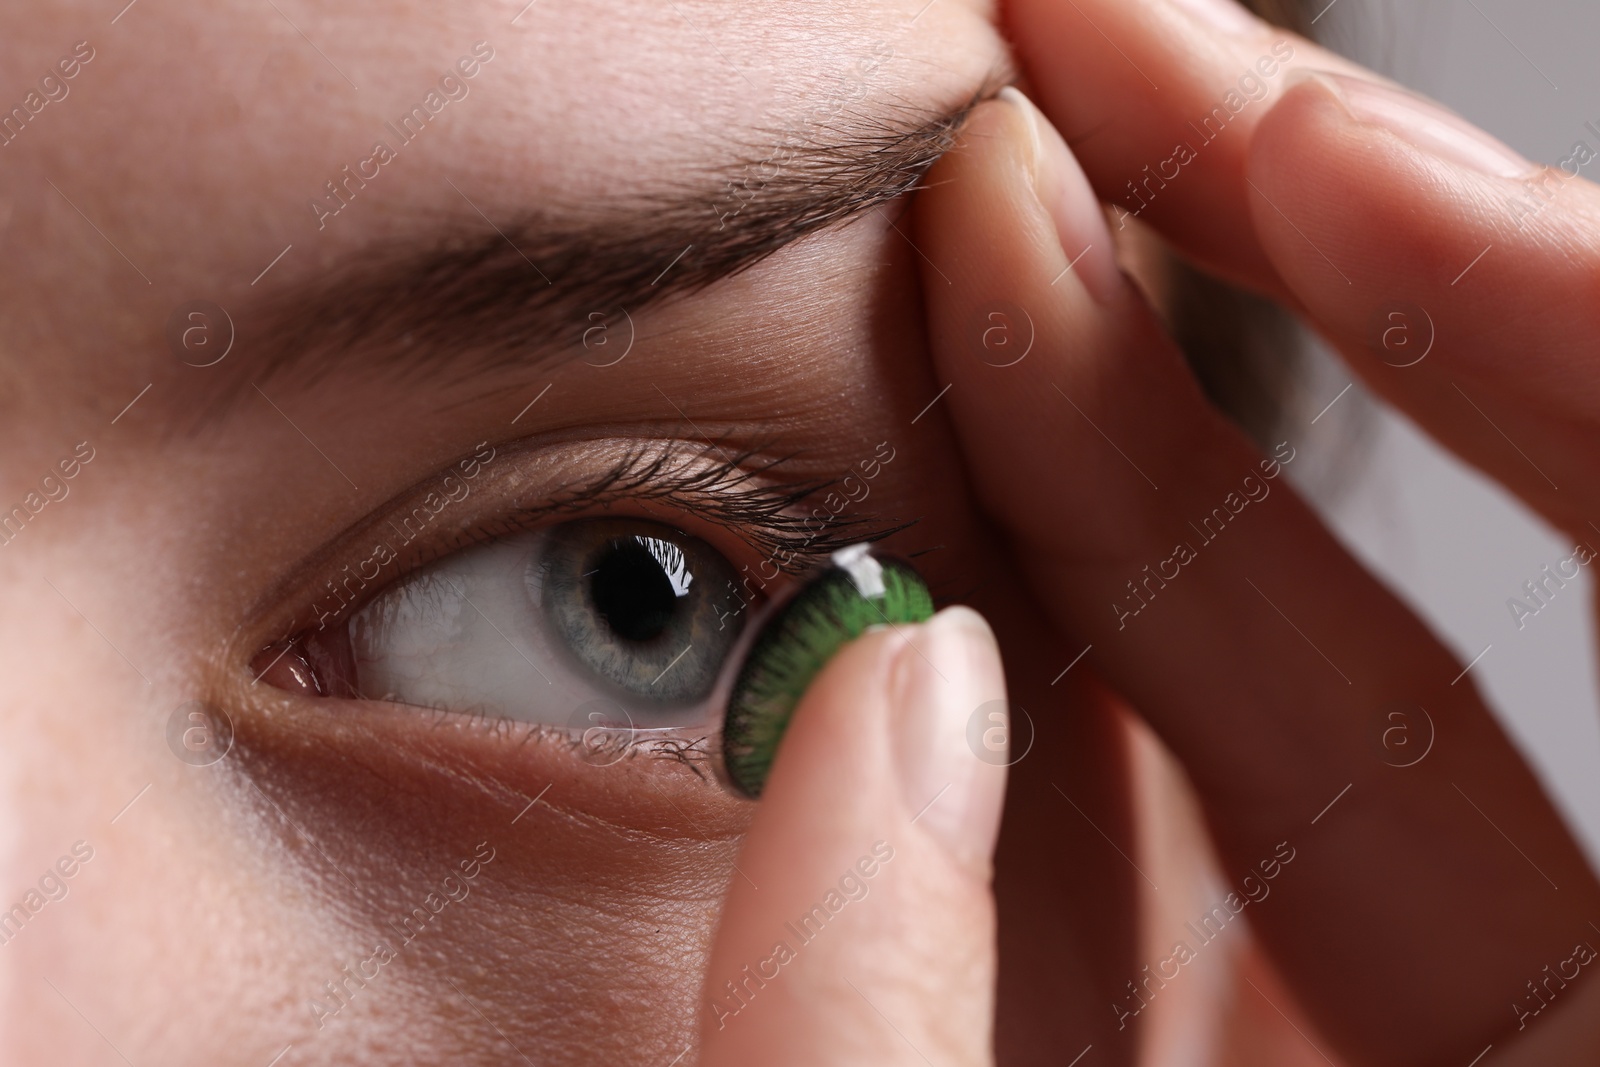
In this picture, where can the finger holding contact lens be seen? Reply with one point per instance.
(857, 592)
(866, 869)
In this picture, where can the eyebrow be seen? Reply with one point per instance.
(535, 285)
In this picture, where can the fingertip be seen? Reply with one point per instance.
(1317, 188)
(1062, 188)
(997, 141)
(1366, 197)
(949, 724)
(1011, 201)
(841, 898)
(1423, 124)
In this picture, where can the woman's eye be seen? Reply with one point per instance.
(535, 626)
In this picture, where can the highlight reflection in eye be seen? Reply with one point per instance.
(533, 626)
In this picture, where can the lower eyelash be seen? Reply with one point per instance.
(693, 750)
(687, 747)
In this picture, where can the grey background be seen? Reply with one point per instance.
(1449, 541)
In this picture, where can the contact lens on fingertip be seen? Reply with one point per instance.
(857, 591)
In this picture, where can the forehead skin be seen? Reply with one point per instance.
(194, 142)
(179, 165)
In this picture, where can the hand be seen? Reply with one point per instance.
(1265, 656)
(1353, 219)
(860, 927)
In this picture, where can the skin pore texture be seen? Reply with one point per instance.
(223, 901)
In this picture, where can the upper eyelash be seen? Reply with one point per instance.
(726, 493)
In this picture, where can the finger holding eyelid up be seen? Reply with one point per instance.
(1213, 598)
(1392, 225)
(862, 928)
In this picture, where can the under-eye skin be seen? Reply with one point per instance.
(835, 608)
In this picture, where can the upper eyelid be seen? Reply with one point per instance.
(765, 510)
(733, 491)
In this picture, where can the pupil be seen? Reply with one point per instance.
(633, 592)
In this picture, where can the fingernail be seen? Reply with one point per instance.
(1065, 192)
(949, 669)
(1224, 15)
(1424, 125)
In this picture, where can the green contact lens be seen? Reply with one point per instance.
(856, 592)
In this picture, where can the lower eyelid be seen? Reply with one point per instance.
(373, 769)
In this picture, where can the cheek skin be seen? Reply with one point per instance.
(575, 938)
